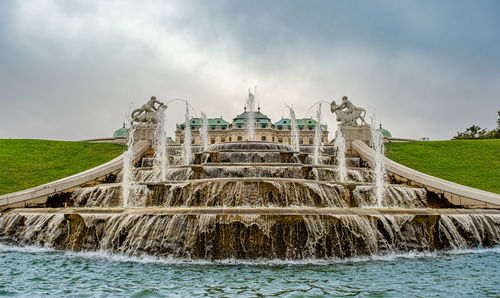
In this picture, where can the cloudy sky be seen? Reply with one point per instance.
(70, 70)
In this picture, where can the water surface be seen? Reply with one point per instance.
(28, 271)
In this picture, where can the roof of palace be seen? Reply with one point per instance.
(384, 132)
(302, 121)
(258, 116)
(199, 122)
(120, 132)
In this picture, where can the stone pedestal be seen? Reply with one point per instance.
(144, 133)
(352, 133)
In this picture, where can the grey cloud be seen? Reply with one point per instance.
(71, 72)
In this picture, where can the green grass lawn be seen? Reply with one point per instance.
(474, 163)
(28, 163)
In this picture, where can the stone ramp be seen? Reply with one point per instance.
(455, 193)
(39, 194)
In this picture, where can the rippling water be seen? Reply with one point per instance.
(27, 271)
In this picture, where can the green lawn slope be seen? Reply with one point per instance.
(475, 163)
(28, 163)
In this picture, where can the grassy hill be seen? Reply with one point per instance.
(474, 163)
(28, 163)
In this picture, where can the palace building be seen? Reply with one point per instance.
(220, 130)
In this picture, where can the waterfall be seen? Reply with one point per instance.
(160, 145)
(204, 131)
(251, 116)
(187, 138)
(378, 145)
(317, 136)
(250, 236)
(339, 145)
(128, 160)
(295, 130)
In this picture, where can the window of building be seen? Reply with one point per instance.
(182, 140)
(192, 141)
(222, 139)
(263, 125)
(212, 141)
(230, 139)
(273, 139)
(280, 140)
(240, 138)
(301, 141)
(263, 138)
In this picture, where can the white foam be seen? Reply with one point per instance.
(148, 259)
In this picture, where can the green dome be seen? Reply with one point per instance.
(120, 132)
(384, 132)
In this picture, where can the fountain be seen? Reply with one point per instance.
(251, 116)
(160, 145)
(295, 130)
(128, 159)
(339, 146)
(186, 146)
(252, 200)
(317, 135)
(377, 141)
(204, 131)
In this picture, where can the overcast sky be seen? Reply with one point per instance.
(70, 70)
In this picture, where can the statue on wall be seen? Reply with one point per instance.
(348, 114)
(147, 113)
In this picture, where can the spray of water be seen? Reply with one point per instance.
(378, 146)
(295, 130)
(251, 116)
(160, 145)
(204, 131)
(128, 159)
(339, 146)
(317, 135)
(186, 152)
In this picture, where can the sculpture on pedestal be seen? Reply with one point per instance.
(348, 114)
(147, 113)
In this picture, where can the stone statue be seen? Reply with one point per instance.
(147, 113)
(348, 114)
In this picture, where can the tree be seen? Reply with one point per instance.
(475, 132)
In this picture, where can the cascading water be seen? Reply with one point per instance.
(317, 136)
(378, 146)
(160, 145)
(250, 200)
(295, 130)
(204, 131)
(251, 116)
(186, 152)
(339, 146)
(128, 159)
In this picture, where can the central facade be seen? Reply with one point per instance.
(219, 130)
